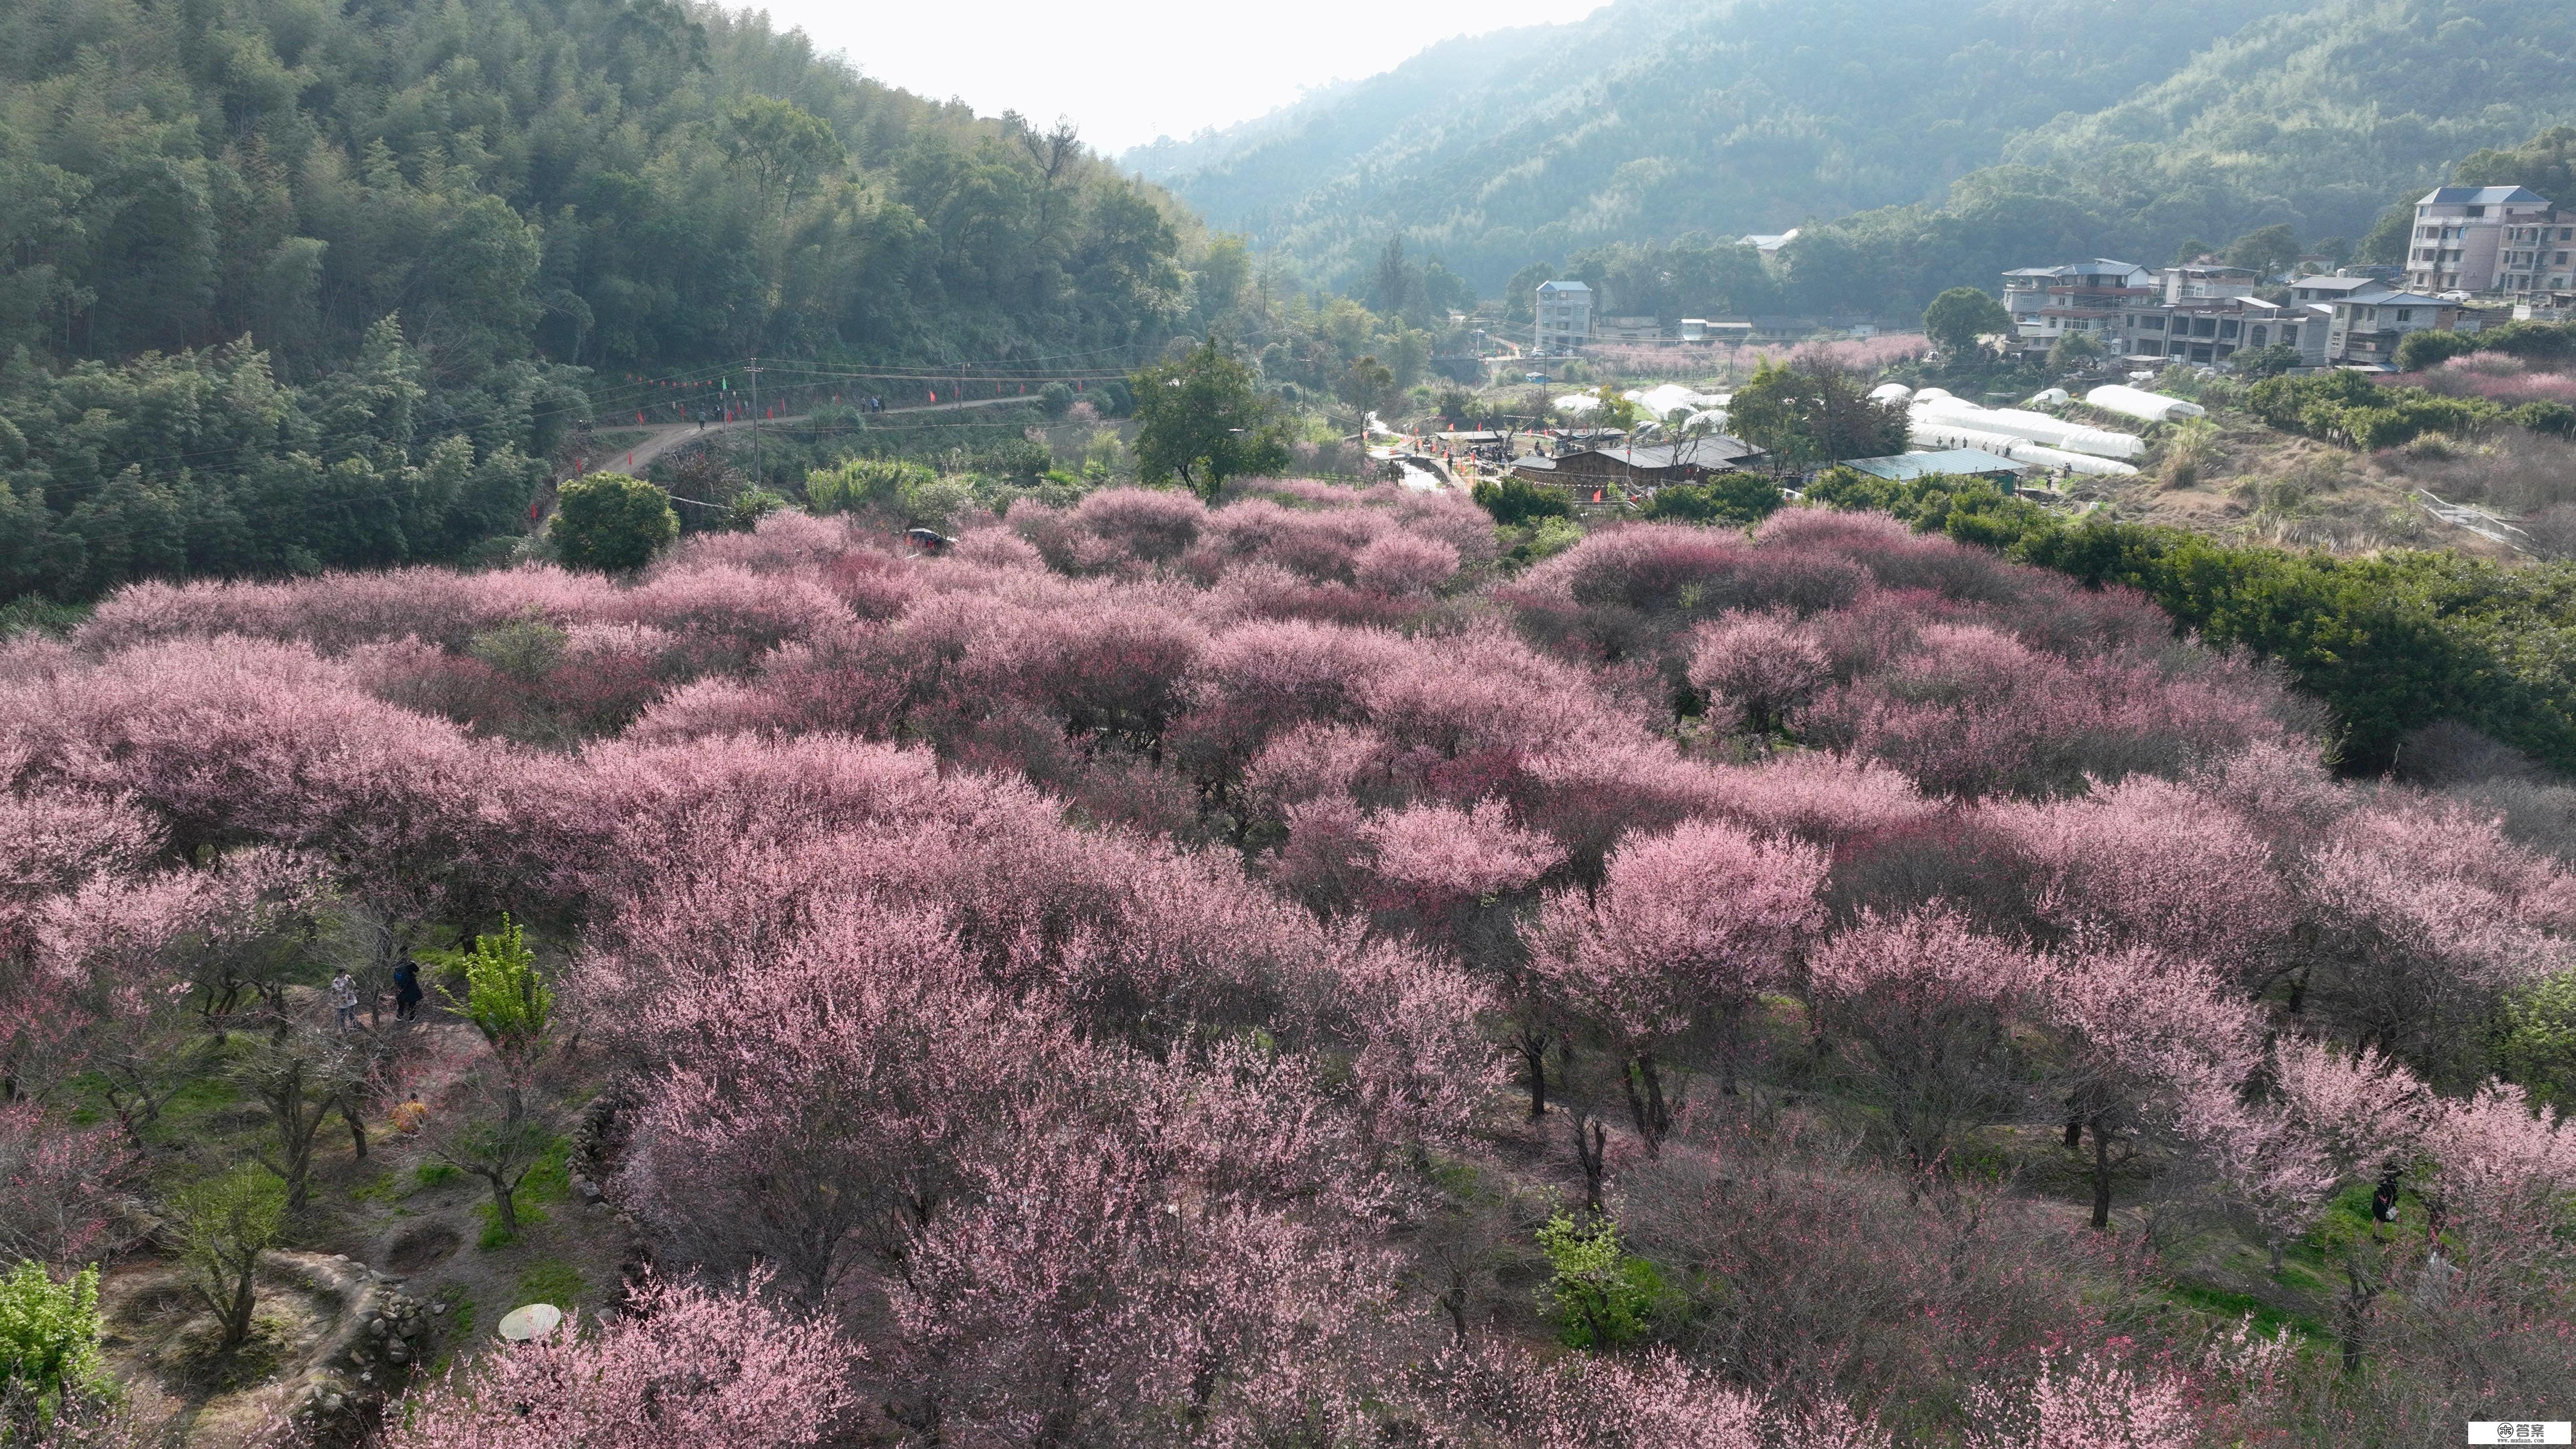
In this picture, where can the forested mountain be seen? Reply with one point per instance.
(1998, 130)
(527, 187)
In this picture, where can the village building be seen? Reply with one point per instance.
(1651, 465)
(2047, 303)
(2367, 326)
(1564, 316)
(2488, 239)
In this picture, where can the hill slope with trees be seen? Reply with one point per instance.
(2032, 125)
(462, 221)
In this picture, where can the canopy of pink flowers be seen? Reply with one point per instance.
(1049, 969)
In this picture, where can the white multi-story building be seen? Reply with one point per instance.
(1564, 316)
(2488, 239)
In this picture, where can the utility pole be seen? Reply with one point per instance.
(754, 370)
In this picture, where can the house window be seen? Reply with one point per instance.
(2227, 328)
(2290, 336)
(2405, 314)
(2261, 335)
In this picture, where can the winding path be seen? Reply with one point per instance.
(660, 438)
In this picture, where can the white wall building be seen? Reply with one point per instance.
(2476, 238)
(1564, 316)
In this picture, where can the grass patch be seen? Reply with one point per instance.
(496, 1236)
(379, 1188)
(551, 1179)
(2234, 1306)
(437, 1174)
(554, 1281)
(455, 1326)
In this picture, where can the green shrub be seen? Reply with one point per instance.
(2536, 1040)
(1599, 1295)
(2261, 362)
(2545, 416)
(2350, 409)
(1515, 500)
(863, 483)
(49, 1331)
(750, 506)
(2420, 350)
(2530, 341)
(1736, 498)
(611, 522)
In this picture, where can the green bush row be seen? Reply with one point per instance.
(2349, 409)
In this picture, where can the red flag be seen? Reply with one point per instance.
(934, 397)
(630, 462)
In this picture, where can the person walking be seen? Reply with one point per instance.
(407, 991)
(344, 999)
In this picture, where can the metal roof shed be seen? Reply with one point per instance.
(1954, 462)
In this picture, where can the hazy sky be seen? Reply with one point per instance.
(1129, 72)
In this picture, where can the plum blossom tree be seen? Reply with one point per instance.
(2499, 1176)
(2332, 1117)
(58, 1186)
(2427, 915)
(688, 1368)
(1756, 668)
(825, 1100)
(2140, 1043)
(1504, 1396)
(1685, 931)
(1159, 1263)
(2154, 863)
(1926, 1006)
(2086, 1400)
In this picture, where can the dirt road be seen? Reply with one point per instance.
(660, 438)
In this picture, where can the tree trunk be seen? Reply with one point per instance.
(1593, 1155)
(2356, 1309)
(1646, 1102)
(357, 1128)
(2101, 1178)
(504, 1205)
(1533, 1049)
(237, 1316)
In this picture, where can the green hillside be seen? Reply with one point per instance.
(438, 220)
(1997, 131)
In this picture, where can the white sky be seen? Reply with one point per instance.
(1127, 73)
